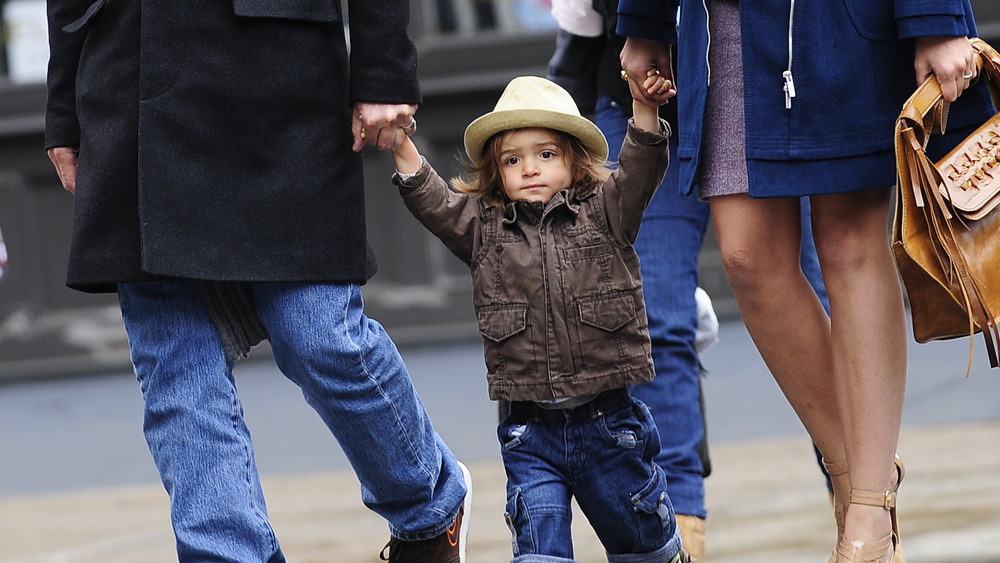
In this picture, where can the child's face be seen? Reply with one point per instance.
(533, 164)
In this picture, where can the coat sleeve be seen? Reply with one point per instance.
(449, 215)
(917, 18)
(383, 56)
(641, 164)
(648, 19)
(61, 126)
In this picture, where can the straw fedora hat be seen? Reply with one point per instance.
(532, 101)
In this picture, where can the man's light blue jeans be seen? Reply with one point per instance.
(349, 371)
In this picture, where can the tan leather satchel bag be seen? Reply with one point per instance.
(946, 224)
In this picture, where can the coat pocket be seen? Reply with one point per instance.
(608, 313)
(609, 334)
(86, 17)
(308, 10)
(500, 323)
(873, 20)
(508, 345)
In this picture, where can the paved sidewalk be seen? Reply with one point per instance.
(77, 484)
(766, 503)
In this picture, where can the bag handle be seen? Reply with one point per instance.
(927, 112)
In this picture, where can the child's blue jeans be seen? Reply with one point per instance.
(602, 454)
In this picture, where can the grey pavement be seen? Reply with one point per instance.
(77, 483)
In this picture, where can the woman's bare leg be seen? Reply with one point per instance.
(868, 340)
(760, 244)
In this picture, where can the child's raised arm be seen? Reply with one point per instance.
(644, 110)
(404, 153)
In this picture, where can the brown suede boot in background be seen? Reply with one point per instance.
(692, 530)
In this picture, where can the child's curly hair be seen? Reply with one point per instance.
(484, 179)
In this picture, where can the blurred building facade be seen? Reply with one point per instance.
(469, 50)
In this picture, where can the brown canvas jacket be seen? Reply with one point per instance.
(556, 288)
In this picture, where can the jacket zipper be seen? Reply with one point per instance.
(789, 86)
(708, 47)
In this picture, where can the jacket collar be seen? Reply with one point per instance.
(534, 212)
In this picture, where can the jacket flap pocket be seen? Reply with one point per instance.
(607, 312)
(501, 322)
(85, 18)
(309, 10)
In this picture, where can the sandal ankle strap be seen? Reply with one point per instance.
(885, 499)
(835, 468)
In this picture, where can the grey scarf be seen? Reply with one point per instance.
(230, 306)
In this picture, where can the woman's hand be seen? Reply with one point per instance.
(639, 57)
(950, 58)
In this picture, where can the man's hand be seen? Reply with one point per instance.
(64, 159)
(377, 124)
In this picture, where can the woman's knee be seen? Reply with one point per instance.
(849, 247)
(752, 268)
(759, 241)
(851, 230)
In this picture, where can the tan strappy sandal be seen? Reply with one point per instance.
(883, 549)
(836, 469)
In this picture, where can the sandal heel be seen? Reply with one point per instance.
(882, 550)
(835, 469)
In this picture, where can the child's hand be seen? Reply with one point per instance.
(404, 152)
(657, 87)
(398, 140)
(654, 91)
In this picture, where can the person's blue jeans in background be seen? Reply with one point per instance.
(349, 371)
(668, 245)
(810, 267)
(808, 259)
(601, 453)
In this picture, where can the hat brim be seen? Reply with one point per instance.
(479, 131)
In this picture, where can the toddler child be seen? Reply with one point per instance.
(547, 231)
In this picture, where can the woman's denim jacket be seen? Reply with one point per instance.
(556, 287)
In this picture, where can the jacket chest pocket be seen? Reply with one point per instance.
(592, 268)
(308, 10)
